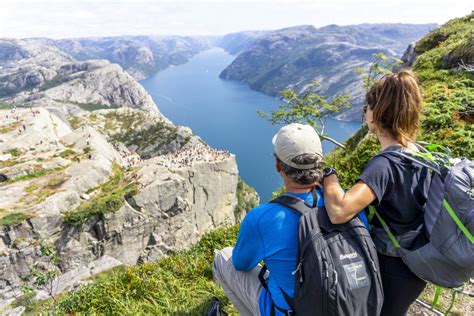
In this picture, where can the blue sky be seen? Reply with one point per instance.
(85, 18)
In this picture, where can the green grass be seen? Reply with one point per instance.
(246, 199)
(110, 197)
(56, 81)
(40, 190)
(156, 135)
(75, 122)
(15, 152)
(33, 175)
(68, 154)
(95, 106)
(4, 106)
(13, 218)
(178, 285)
(10, 127)
(9, 163)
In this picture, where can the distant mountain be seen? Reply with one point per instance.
(293, 57)
(140, 56)
(35, 73)
(235, 43)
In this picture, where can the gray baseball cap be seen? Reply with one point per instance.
(294, 140)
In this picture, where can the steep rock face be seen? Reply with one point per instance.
(140, 56)
(178, 197)
(293, 57)
(46, 76)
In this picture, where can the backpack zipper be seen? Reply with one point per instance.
(298, 269)
(325, 287)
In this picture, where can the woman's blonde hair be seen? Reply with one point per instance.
(396, 104)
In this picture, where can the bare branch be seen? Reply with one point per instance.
(332, 141)
(468, 67)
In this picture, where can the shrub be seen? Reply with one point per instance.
(13, 218)
(110, 197)
(15, 152)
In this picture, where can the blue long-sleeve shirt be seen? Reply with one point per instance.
(269, 232)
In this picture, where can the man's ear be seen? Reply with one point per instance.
(277, 165)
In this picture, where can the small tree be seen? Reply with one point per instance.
(44, 276)
(307, 107)
(381, 65)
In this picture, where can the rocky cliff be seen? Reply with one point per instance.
(294, 57)
(89, 167)
(140, 56)
(33, 73)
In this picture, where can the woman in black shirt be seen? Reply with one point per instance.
(395, 186)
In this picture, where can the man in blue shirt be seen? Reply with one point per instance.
(269, 232)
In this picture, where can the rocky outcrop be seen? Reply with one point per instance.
(144, 133)
(89, 167)
(55, 197)
(294, 57)
(46, 76)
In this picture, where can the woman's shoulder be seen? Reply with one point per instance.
(378, 161)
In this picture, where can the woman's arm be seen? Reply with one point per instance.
(343, 206)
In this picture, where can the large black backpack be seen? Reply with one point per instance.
(337, 269)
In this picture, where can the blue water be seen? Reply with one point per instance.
(223, 114)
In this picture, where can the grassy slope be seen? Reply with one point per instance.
(178, 285)
(182, 284)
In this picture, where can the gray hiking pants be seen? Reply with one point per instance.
(242, 288)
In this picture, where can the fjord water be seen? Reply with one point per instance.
(223, 113)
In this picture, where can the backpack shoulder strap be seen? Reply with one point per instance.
(419, 160)
(295, 203)
(289, 300)
(392, 237)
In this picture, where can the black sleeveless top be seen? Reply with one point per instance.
(401, 187)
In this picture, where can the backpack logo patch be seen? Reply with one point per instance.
(348, 256)
(356, 274)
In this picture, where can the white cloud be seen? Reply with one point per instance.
(81, 18)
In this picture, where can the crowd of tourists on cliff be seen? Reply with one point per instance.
(368, 250)
(190, 155)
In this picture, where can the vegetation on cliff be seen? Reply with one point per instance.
(108, 197)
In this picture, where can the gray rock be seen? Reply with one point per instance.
(17, 311)
(47, 75)
(85, 196)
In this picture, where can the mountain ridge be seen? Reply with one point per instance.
(294, 57)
